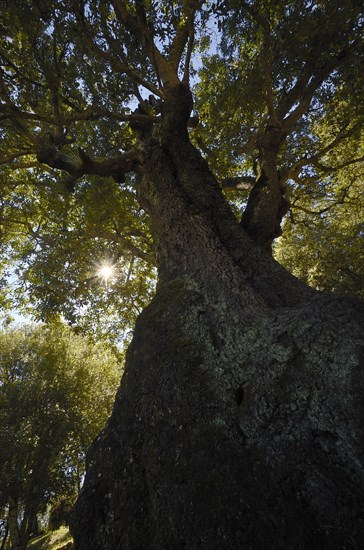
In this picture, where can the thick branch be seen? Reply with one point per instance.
(115, 167)
(186, 73)
(184, 32)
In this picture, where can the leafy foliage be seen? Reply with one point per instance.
(56, 391)
(75, 79)
(294, 61)
(58, 230)
(322, 240)
(59, 240)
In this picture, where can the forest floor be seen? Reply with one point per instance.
(53, 540)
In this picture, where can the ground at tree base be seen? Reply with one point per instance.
(59, 539)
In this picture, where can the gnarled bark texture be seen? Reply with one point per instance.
(239, 420)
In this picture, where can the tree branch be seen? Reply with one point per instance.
(18, 72)
(264, 23)
(138, 26)
(313, 83)
(126, 243)
(317, 212)
(314, 159)
(10, 158)
(115, 167)
(295, 93)
(94, 113)
(184, 33)
(10, 112)
(267, 71)
(331, 169)
(186, 72)
(124, 68)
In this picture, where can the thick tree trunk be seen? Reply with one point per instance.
(239, 419)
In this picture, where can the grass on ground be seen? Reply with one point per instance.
(51, 540)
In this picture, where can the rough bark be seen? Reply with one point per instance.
(267, 203)
(239, 419)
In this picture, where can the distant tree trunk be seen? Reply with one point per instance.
(30, 526)
(5, 537)
(239, 419)
(16, 540)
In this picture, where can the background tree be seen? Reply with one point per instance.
(237, 420)
(56, 392)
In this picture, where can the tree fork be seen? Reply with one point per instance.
(267, 204)
(238, 422)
